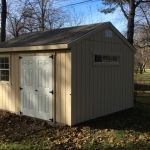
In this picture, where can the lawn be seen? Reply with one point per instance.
(125, 130)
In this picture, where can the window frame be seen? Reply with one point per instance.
(6, 82)
(108, 33)
(106, 54)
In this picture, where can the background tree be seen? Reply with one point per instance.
(128, 8)
(46, 16)
(3, 20)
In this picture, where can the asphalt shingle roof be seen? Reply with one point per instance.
(57, 36)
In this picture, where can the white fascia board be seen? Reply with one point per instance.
(34, 48)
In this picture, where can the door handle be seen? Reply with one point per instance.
(51, 92)
(36, 90)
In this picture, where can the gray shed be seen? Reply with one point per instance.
(67, 75)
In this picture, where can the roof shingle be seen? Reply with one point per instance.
(57, 36)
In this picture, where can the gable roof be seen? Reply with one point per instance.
(57, 39)
(57, 36)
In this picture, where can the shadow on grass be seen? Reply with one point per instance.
(137, 119)
(141, 87)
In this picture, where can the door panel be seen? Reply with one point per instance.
(44, 86)
(36, 81)
(28, 85)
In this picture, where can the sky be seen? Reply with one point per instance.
(89, 9)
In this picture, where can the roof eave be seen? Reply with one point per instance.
(34, 48)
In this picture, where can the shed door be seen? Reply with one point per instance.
(36, 86)
(28, 86)
(44, 87)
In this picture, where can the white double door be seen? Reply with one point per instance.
(36, 86)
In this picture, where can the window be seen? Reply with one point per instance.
(108, 33)
(106, 59)
(4, 68)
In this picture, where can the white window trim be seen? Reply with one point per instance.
(106, 63)
(6, 82)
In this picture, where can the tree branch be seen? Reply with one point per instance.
(121, 6)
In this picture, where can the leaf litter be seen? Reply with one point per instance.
(120, 130)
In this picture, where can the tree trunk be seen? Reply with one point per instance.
(130, 31)
(42, 17)
(141, 69)
(3, 20)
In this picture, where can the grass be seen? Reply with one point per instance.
(125, 130)
(142, 78)
(128, 129)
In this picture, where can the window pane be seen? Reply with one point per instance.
(6, 60)
(6, 78)
(2, 60)
(6, 66)
(4, 72)
(98, 58)
(7, 72)
(2, 78)
(1, 66)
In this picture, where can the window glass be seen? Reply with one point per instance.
(106, 58)
(4, 68)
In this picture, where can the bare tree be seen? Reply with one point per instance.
(128, 8)
(142, 44)
(3, 20)
(77, 18)
(46, 15)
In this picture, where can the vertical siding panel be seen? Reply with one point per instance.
(74, 86)
(79, 83)
(4, 96)
(62, 84)
(95, 94)
(58, 90)
(83, 83)
(122, 79)
(103, 85)
(13, 81)
(100, 80)
(9, 98)
(68, 88)
(87, 80)
(6, 99)
(91, 94)
(125, 80)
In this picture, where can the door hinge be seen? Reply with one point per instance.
(51, 92)
(21, 113)
(51, 56)
(20, 57)
(21, 88)
(51, 120)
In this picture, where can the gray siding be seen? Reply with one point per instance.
(100, 90)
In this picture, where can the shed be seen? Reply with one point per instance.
(67, 75)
